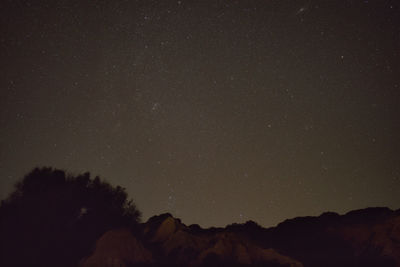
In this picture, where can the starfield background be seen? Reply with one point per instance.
(212, 113)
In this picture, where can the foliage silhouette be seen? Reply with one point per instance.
(54, 219)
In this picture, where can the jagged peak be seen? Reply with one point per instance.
(158, 228)
(160, 217)
(341, 238)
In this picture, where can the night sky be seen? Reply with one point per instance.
(214, 111)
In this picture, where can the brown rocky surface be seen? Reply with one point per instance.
(369, 237)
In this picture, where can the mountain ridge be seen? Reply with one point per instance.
(365, 237)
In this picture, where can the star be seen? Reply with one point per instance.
(301, 10)
(155, 106)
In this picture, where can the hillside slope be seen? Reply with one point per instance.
(369, 237)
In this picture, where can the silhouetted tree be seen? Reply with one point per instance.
(54, 219)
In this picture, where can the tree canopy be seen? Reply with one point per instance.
(53, 218)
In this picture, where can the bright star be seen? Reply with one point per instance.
(301, 10)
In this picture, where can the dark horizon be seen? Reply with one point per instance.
(215, 111)
(145, 220)
(41, 225)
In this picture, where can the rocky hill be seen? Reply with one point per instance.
(369, 237)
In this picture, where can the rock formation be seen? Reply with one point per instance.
(118, 248)
(369, 237)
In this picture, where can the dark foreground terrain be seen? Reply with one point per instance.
(54, 219)
(369, 237)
